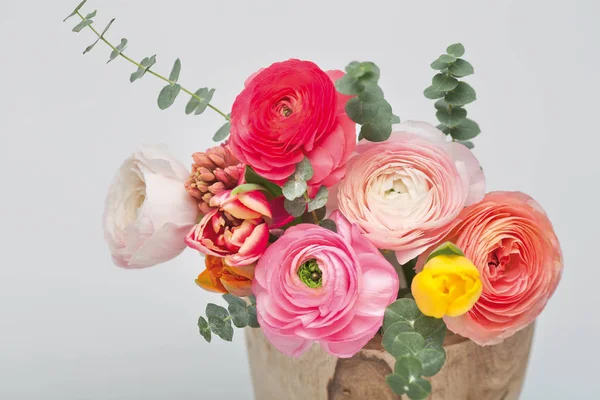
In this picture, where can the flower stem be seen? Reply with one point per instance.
(314, 214)
(150, 70)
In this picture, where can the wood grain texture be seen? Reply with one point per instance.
(471, 372)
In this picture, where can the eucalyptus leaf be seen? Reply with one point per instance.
(407, 343)
(295, 207)
(432, 329)
(451, 117)
(167, 96)
(461, 68)
(320, 199)
(378, 130)
(294, 189)
(222, 133)
(419, 389)
(467, 129)
(219, 321)
(304, 171)
(461, 95)
(392, 331)
(408, 366)
(329, 224)
(252, 177)
(433, 94)
(206, 96)
(239, 315)
(231, 299)
(361, 112)
(397, 383)
(308, 218)
(252, 299)
(349, 85)
(443, 62)
(446, 249)
(371, 94)
(468, 144)
(395, 119)
(91, 15)
(456, 50)
(204, 329)
(443, 83)
(118, 50)
(441, 104)
(82, 25)
(75, 10)
(402, 310)
(90, 47)
(174, 76)
(432, 360)
(145, 64)
(252, 319)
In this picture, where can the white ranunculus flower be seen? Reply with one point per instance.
(148, 211)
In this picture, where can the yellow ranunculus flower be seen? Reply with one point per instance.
(447, 285)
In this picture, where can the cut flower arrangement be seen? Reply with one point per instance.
(316, 231)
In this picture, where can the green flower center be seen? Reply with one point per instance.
(310, 274)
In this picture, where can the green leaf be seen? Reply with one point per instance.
(468, 129)
(222, 133)
(239, 315)
(443, 62)
(174, 76)
(320, 199)
(349, 85)
(461, 95)
(119, 49)
(295, 207)
(304, 171)
(204, 329)
(308, 218)
(294, 189)
(82, 25)
(443, 83)
(167, 96)
(432, 329)
(252, 177)
(219, 321)
(371, 94)
(451, 117)
(392, 331)
(75, 10)
(378, 130)
(408, 366)
(461, 68)
(91, 15)
(252, 320)
(358, 76)
(252, 299)
(395, 119)
(145, 64)
(419, 389)
(247, 187)
(446, 249)
(198, 105)
(403, 310)
(231, 299)
(361, 112)
(468, 144)
(397, 383)
(441, 104)
(407, 343)
(456, 50)
(90, 47)
(329, 224)
(432, 360)
(433, 94)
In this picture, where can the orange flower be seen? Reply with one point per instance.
(222, 278)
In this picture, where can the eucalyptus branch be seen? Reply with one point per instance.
(200, 99)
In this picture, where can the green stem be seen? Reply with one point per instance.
(314, 214)
(149, 70)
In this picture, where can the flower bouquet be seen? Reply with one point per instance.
(377, 244)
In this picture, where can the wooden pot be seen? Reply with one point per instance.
(471, 372)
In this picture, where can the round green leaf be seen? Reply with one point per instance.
(167, 96)
(397, 383)
(432, 360)
(304, 171)
(371, 94)
(204, 329)
(239, 315)
(378, 130)
(407, 343)
(433, 94)
(222, 133)
(295, 207)
(408, 366)
(361, 112)
(174, 76)
(392, 331)
(320, 199)
(231, 299)
(456, 50)
(461, 68)
(461, 95)
(466, 130)
(432, 329)
(419, 389)
(403, 310)
(468, 144)
(252, 320)
(443, 83)
(294, 189)
(451, 117)
(219, 322)
(329, 224)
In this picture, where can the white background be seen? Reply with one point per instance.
(73, 326)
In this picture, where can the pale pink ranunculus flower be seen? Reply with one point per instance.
(341, 308)
(147, 211)
(511, 241)
(405, 193)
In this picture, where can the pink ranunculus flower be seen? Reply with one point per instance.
(288, 111)
(235, 230)
(511, 241)
(406, 192)
(148, 211)
(315, 285)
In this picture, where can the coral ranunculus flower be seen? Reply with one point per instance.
(222, 278)
(511, 241)
(288, 111)
(447, 285)
(315, 285)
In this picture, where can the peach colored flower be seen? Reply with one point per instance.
(406, 192)
(220, 277)
(511, 241)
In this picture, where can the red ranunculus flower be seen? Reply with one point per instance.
(291, 110)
